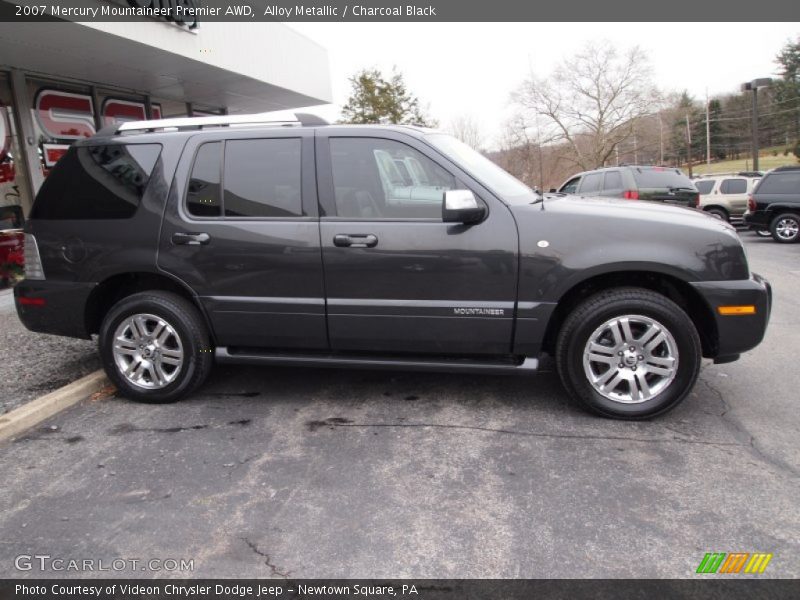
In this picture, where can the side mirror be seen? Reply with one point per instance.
(553, 190)
(461, 206)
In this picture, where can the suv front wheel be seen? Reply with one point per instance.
(628, 353)
(785, 228)
(155, 347)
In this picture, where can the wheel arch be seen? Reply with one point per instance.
(116, 287)
(672, 287)
(721, 207)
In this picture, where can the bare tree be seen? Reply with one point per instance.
(467, 129)
(591, 101)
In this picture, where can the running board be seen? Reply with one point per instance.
(247, 356)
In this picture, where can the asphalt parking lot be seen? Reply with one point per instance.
(33, 364)
(315, 473)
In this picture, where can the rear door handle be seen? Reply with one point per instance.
(190, 239)
(355, 240)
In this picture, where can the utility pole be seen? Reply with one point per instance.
(708, 130)
(635, 149)
(689, 145)
(752, 86)
(660, 140)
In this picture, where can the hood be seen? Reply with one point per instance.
(580, 233)
(637, 210)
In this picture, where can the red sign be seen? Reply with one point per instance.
(119, 111)
(64, 115)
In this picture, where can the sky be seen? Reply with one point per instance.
(471, 69)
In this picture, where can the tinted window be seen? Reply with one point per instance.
(705, 186)
(592, 183)
(369, 184)
(97, 182)
(613, 181)
(661, 178)
(262, 178)
(571, 186)
(733, 186)
(787, 182)
(203, 195)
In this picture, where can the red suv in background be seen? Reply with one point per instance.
(11, 244)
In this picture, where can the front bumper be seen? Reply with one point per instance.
(737, 333)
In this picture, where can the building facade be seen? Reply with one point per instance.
(61, 81)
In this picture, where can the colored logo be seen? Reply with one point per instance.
(734, 562)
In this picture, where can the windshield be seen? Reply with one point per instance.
(484, 170)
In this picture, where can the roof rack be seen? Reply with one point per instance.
(301, 120)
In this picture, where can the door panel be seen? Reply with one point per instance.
(423, 286)
(258, 278)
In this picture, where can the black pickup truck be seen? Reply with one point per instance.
(188, 241)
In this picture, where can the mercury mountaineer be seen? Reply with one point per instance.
(184, 242)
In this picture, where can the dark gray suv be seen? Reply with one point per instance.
(184, 242)
(655, 184)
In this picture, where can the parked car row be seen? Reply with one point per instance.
(769, 204)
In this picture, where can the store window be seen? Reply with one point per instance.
(12, 190)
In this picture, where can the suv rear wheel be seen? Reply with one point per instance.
(155, 347)
(628, 353)
(785, 228)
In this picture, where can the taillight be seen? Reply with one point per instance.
(751, 203)
(33, 263)
(631, 194)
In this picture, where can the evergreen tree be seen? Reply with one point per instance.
(377, 99)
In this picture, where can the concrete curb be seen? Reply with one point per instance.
(36, 411)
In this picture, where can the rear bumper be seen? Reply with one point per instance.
(53, 307)
(737, 333)
(757, 220)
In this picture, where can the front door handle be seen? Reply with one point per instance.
(355, 240)
(190, 239)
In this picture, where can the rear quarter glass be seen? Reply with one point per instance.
(97, 182)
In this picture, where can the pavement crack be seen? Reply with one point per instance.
(616, 438)
(752, 442)
(274, 569)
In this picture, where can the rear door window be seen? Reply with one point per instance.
(733, 186)
(262, 178)
(613, 181)
(97, 182)
(203, 198)
(787, 182)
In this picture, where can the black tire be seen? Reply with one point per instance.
(781, 219)
(188, 325)
(720, 213)
(596, 310)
